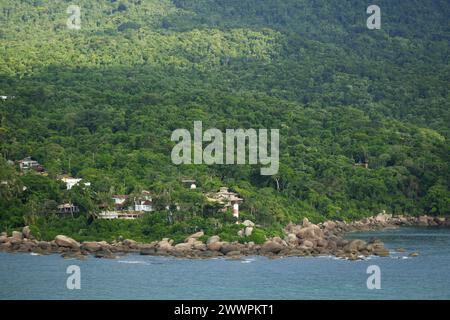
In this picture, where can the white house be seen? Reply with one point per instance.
(126, 215)
(30, 164)
(143, 205)
(144, 202)
(71, 182)
(108, 215)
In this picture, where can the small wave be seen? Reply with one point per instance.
(132, 262)
(34, 254)
(325, 257)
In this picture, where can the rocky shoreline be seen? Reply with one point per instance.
(305, 239)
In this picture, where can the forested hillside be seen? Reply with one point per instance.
(100, 103)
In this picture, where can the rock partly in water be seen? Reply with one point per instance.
(64, 241)
(215, 246)
(164, 246)
(105, 254)
(91, 246)
(228, 247)
(130, 243)
(271, 246)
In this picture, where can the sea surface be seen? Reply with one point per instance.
(27, 276)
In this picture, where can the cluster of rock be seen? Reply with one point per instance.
(247, 230)
(384, 220)
(299, 240)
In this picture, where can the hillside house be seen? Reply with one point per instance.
(227, 199)
(71, 182)
(124, 208)
(114, 214)
(120, 201)
(28, 164)
(144, 202)
(68, 208)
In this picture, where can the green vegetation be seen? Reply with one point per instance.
(100, 103)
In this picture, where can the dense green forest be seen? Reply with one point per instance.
(100, 103)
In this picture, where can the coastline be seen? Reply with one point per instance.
(305, 239)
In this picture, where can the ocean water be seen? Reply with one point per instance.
(27, 276)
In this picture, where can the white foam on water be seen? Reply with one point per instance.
(132, 262)
(326, 257)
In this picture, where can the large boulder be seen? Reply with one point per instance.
(381, 252)
(45, 246)
(26, 232)
(198, 245)
(306, 223)
(355, 246)
(3, 239)
(91, 246)
(215, 246)
(73, 255)
(383, 217)
(147, 249)
(248, 231)
(248, 223)
(291, 239)
(27, 246)
(183, 247)
(329, 225)
(16, 235)
(130, 243)
(196, 235)
(322, 243)
(308, 244)
(105, 254)
(310, 232)
(293, 228)
(64, 241)
(228, 247)
(271, 246)
(164, 245)
(191, 241)
(213, 239)
(377, 248)
(422, 221)
(5, 246)
(235, 254)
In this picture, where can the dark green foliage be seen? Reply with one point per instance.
(101, 103)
